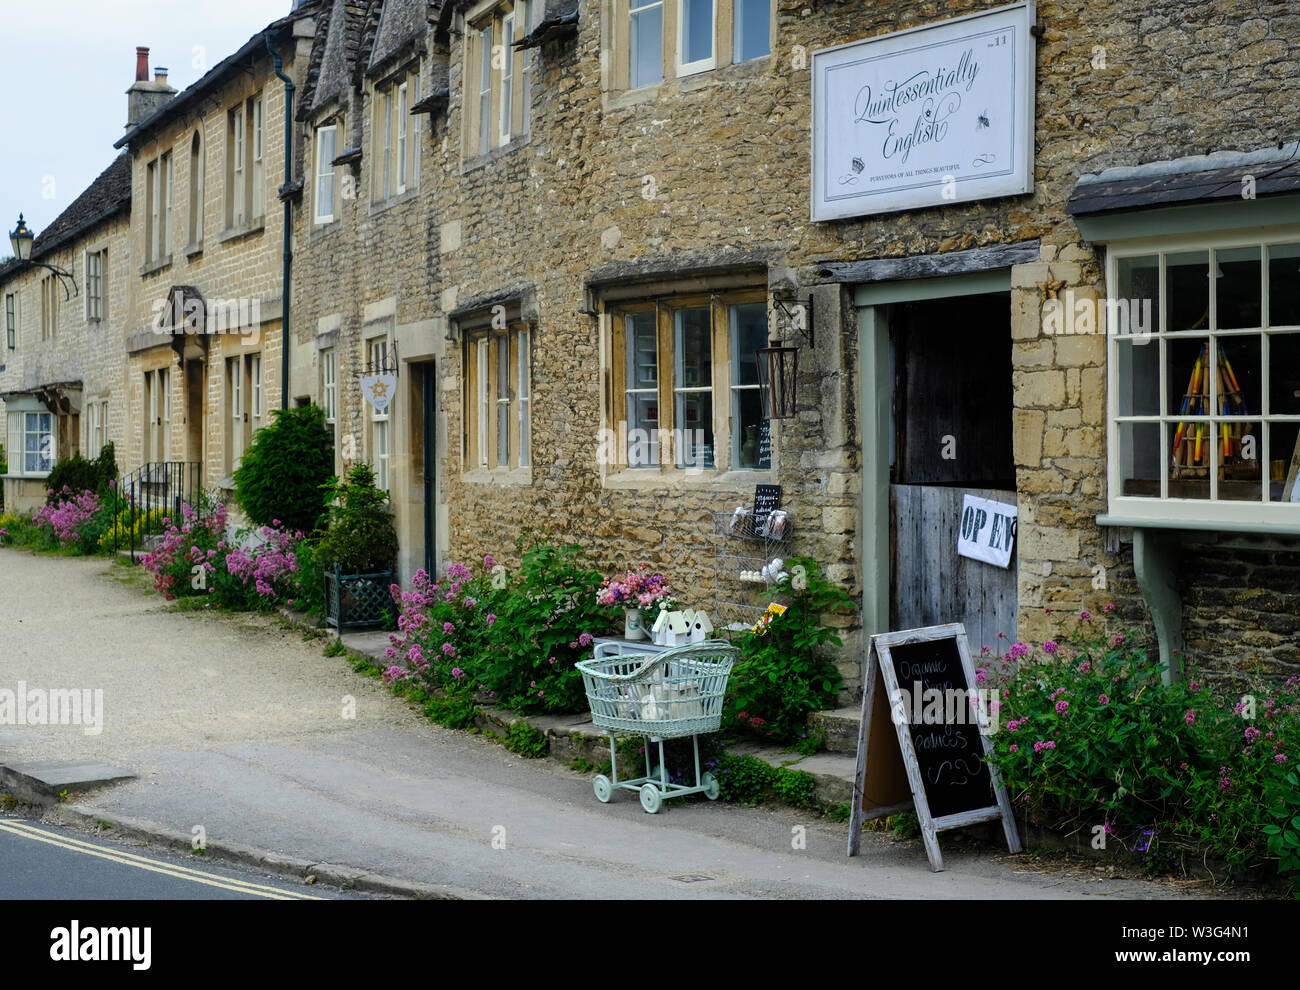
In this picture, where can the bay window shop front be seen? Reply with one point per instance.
(1203, 399)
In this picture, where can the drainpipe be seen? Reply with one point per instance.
(284, 198)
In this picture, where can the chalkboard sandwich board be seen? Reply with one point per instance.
(924, 682)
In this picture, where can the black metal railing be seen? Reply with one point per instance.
(150, 493)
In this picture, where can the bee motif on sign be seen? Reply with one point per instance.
(982, 121)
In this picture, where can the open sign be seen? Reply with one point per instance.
(988, 530)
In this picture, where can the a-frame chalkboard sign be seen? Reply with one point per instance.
(923, 681)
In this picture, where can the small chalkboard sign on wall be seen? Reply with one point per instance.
(928, 686)
(767, 498)
(765, 444)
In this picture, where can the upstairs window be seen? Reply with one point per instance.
(95, 308)
(196, 191)
(11, 320)
(396, 136)
(49, 306)
(503, 78)
(158, 192)
(326, 143)
(245, 165)
(658, 40)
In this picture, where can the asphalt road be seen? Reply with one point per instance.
(43, 862)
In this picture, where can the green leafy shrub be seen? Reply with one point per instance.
(455, 710)
(82, 475)
(783, 673)
(528, 742)
(743, 779)
(281, 475)
(1089, 734)
(796, 787)
(361, 538)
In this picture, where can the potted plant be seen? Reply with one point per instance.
(357, 551)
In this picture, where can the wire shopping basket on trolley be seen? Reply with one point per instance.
(664, 695)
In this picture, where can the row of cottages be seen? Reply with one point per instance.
(1006, 244)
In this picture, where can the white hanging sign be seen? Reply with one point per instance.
(379, 390)
(931, 115)
(987, 531)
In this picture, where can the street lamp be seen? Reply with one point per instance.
(21, 239)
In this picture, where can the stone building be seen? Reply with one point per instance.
(62, 383)
(564, 229)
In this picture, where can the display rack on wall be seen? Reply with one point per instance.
(743, 551)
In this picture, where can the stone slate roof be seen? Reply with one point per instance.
(250, 52)
(402, 25)
(329, 72)
(105, 198)
(1198, 178)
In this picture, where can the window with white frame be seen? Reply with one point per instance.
(379, 439)
(158, 190)
(496, 384)
(403, 114)
(503, 79)
(685, 393)
(326, 145)
(656, 40)
(236, 415)
(245, 164)
(1204, 403)
(259, 163)
(329, 387)
(31, 437)
(103, 424)
(95, 308)
(11, 320)
(158, 410)
(255, 388)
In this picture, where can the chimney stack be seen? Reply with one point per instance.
(145, 97)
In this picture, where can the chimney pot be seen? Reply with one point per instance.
(160, 75)
(141, 64)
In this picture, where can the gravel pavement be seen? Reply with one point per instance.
(235, 724)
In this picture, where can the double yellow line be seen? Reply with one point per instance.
(28, 831)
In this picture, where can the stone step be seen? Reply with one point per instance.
(839, 726)
(43, 783)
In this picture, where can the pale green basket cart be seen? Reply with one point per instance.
(661, 696)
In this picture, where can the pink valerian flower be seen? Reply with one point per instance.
(1102, 699)
(470, 602)
(489, 562)
(1014, 748)
(1017, 650)
(1108, 608)
(1279, 758)
(1117, 641)
(1085, 615)
(1085, 667)
(1015, 724)
(1042, 745)
(1051, 646)
(585, 639)
(491, 618)
(457, 673)
(981, 675)
(448, 628)
(448, 650)
(1062, 707)
(1252, 734)
(1190, 717)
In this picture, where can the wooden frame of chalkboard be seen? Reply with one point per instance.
(935, 657)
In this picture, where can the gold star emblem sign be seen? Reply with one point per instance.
(379, 390)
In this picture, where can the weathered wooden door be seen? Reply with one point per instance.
(931, 583)
(952, 399)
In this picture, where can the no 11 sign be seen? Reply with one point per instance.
(988, 530)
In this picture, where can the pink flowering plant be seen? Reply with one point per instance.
(512, 639)
(640, 589)
(192, 552)
(73, 520)
(1091, 735)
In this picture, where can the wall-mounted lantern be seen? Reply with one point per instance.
(778, 362)
(21, 239)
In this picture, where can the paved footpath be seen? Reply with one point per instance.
(235, 725)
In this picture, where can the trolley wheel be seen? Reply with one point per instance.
(711, 786)
(602, 788)
(651, 799)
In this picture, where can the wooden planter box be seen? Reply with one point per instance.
(354, 601)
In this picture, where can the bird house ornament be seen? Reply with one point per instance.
(701, 627)
(679, 629)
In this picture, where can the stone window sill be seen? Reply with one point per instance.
(235, 233)
(383, 205)
(476, 162)
(618, 99)
(193, 250)
(151, 267)
(505, 477)
(739, 481)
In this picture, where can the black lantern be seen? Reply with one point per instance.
(21, 238)
(778, 372)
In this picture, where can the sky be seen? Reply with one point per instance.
(64, 73)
